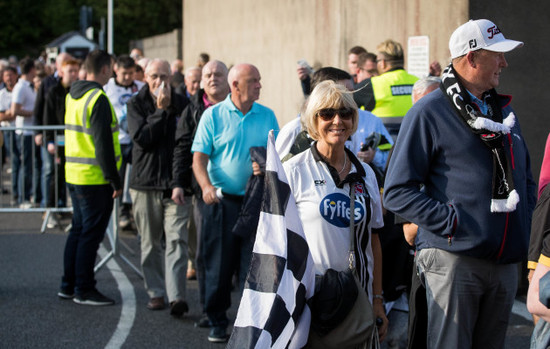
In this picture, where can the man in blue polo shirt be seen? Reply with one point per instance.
(222, 166)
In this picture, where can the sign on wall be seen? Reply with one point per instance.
(418, 55)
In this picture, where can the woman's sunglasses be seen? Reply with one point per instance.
(329, 113)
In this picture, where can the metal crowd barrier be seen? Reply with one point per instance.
(17, 203)
(21, 205)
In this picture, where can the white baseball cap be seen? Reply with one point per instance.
(477, 35)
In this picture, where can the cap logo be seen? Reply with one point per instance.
(493, 31)
(473, 43)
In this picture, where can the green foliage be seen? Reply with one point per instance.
(28, 25)
(138, 19)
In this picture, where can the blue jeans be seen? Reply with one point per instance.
(21, 164)
(47, 174)
(37, 174)
(15, 160)
(92, 206)
(222, 253)
(57, 193)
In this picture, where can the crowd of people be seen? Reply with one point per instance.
(436, 169)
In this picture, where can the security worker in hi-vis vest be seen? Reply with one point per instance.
(93, 157)
(388, 95)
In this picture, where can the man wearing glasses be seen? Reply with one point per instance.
(388, 95)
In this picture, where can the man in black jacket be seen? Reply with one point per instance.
(54, 115)
(152, 117)
(39, 109)
(216, 88)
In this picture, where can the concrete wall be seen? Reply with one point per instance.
(166, 46)
(274, 35)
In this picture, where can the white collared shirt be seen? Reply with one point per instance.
(25, 95)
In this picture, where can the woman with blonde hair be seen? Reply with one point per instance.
(323, 179)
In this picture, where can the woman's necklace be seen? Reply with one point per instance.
(345, 163)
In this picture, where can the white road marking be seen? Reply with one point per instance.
(128, 296)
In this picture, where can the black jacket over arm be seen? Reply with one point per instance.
(183, 159)
(47, 84)
(54, 109)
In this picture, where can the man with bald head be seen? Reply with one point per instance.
(216, 89)
(222, 166)
(152, 119)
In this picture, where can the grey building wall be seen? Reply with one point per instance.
(166, 46)
(274, 35)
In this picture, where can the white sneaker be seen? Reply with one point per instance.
(51, 223)
(124, 222)
(25, 205)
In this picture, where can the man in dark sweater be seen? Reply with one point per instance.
(463, 143)
(39, 117)
(216, 88)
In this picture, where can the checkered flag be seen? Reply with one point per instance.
(273, 312)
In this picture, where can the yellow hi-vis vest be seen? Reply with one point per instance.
(392, 93)
(81, 166)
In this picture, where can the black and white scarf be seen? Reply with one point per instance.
(491, 129)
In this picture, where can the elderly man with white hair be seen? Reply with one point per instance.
(215, 90)
(222, 166)
(152, 119)
(191, 82)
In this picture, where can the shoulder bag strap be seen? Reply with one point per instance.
(352, 226)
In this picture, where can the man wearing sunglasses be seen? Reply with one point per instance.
(388, 95)
(366, 66)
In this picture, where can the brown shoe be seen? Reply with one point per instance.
(178, 308)
(191, 274)
(156, 303)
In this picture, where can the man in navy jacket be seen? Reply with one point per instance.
(461, 171)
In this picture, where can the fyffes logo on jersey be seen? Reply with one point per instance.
(335, 208)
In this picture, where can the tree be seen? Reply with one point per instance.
(29, 25)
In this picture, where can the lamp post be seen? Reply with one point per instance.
(110, 26)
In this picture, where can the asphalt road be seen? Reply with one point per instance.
(32, 316)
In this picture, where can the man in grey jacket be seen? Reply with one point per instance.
(463, 145)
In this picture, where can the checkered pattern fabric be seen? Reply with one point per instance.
(273, 312)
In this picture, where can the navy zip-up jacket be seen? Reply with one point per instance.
(437, 149)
